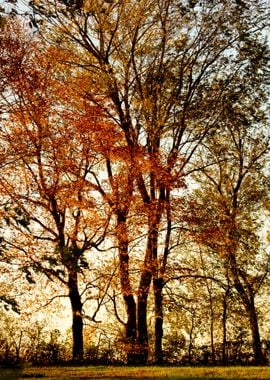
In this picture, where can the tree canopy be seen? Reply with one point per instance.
(136, 126)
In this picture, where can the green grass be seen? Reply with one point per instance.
(132, 373)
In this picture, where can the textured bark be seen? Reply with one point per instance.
(158, 286)
(149, 271)
(158, 282)
(126, 289)
(256, 341)
(77, 321)
(143, 292)
(131, 333)
(247, 296)
(224, 327)
(212, 320)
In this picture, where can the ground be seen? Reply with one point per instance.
(132, 373)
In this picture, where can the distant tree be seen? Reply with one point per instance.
(230, 213)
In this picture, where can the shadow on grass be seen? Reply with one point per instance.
(10, 374)
(154, 378)
(17, 374)
(104, 373)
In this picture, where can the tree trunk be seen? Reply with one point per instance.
(224, 358)
(158, 287)
(158, 282)
(131, 331)
(256, 341)
(246, 294)
(150, 268)
(143, 292)
(212, 319)
(126, 289)
(77, 321)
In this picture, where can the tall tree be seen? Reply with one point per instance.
(48, 138)
(163, 67)
(233, 195)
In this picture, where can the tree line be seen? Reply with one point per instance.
(134, 164)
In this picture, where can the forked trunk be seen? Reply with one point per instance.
(127, 292)
(143, 291)
(247, 296)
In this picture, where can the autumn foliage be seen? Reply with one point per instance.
(128, 139)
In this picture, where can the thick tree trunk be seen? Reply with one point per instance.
(256, 341)
(224, 328)
(158, 282)
(150, 268)
(190, 346)
(246, 294)
(158, 287)
(212, 319)
(131, 331)
(143, 344)
(126, 289)
(77, 321)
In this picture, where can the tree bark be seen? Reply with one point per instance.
(143, 344)
(224, 328)
(158, 281)
(158, 287)
(212, 319)
(131, 331)
(126, 289)
(150, 270)
(77, 321)
(247, 296)
(256, 340)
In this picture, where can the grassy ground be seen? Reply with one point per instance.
(132, 373)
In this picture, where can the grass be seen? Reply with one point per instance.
(133, 373)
